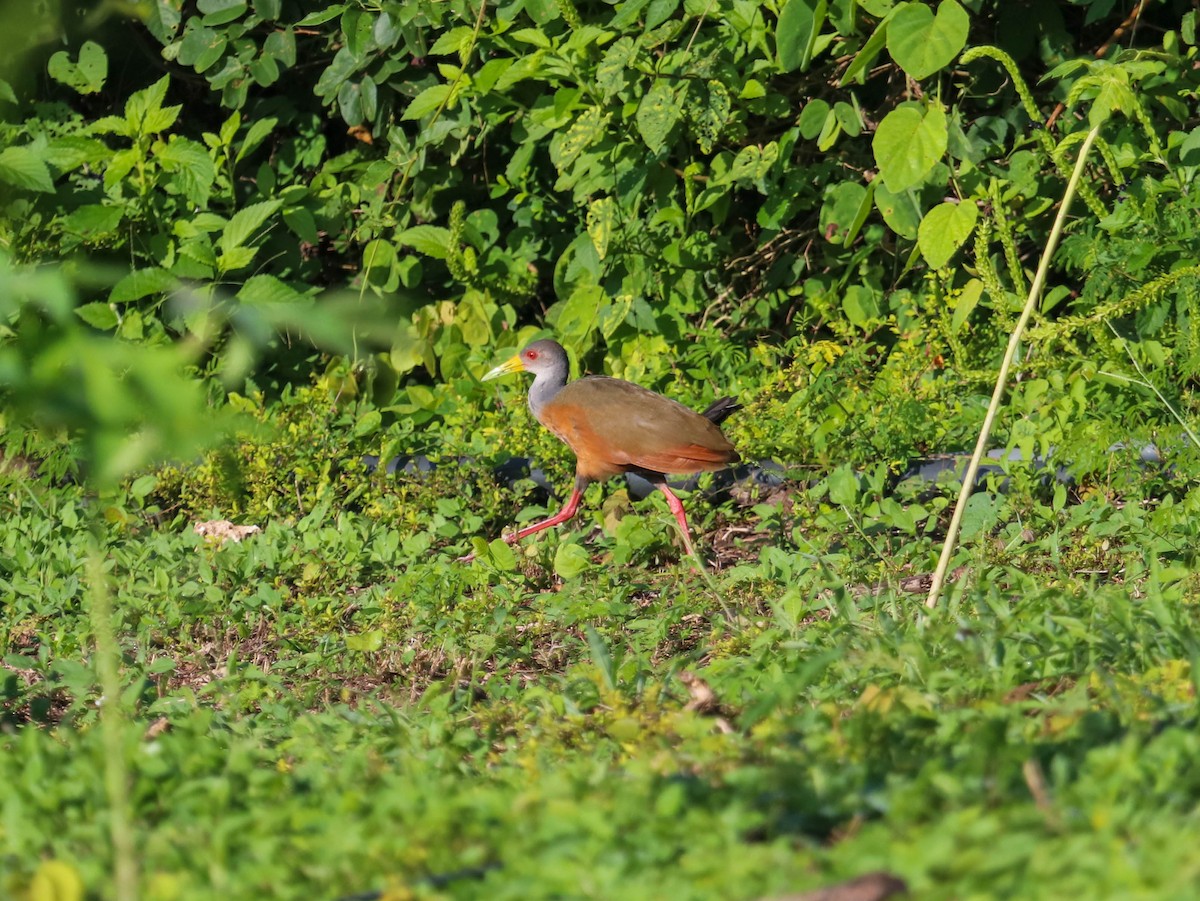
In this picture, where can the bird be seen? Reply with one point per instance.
(614, 426)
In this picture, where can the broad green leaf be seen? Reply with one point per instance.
(245, 223)
(192, 166)
(601, 218)
(922, 43)
(899, 209)
(610, 73)
(908, 143)
(571, 560)
(431, 240)
(24, 168)
(965, 303)
(267, 289)
(427, 101)
(799, 25)
(93, 220)
(302, 224)
(200, 47)
(566, 146)
(320, 17)
(281, 45)
(578, 315)
(141, 283)
(7, 94)
(841, 207)
(368, 423)
(812, 118)
(659, 11)
(500, 554)
(98, 315)
(452, 41)
(379, 262)
(657, 114)
(843, 485)
(88, 75)
(944, 230)
(221, 12)
(236, 258)
(861, 306)
(258, 132)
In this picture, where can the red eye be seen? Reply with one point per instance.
(531, 355)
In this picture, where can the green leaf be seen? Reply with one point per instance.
(908, 144)
(866, 56)
(899, 210)
(143, 485)
(368, 423)
(812, 118)
(267, 289)
(7, 93)
(221, 12)
(601, 217)
(141, 283)
(500, 554)
(922, 43)
(571, 560)
(258, 132)
(302, 224)
(841, 207)
(431, 240)
(610, 73)
(657, 114)
(22, 167)
(245, 223)
(711, 118)
(85, 77)
(944, 230)
(799, 25)
(566, 146)
(93, 220)
(427, 101)
(965, 303)
(98, 315)
(192, 166)
(320, 17)
(453, 41)
(200, 47)
(843, 486)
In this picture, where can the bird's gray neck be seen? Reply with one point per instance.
(545, 386)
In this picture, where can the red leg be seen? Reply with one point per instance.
(676, 506)
(557, 519)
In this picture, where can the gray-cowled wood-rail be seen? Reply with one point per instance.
(614, 426)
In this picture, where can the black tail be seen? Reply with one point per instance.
(720, 409)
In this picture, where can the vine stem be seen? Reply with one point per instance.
(113, 729)
(1014, 341)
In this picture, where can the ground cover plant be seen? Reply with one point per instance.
(250, 246)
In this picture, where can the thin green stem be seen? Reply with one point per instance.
(113, 727)
(1014, 341)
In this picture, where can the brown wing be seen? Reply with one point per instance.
(614, 426)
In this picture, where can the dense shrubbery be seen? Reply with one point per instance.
(640, 175)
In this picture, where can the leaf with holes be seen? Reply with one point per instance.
(656, 115)
(600, 218)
